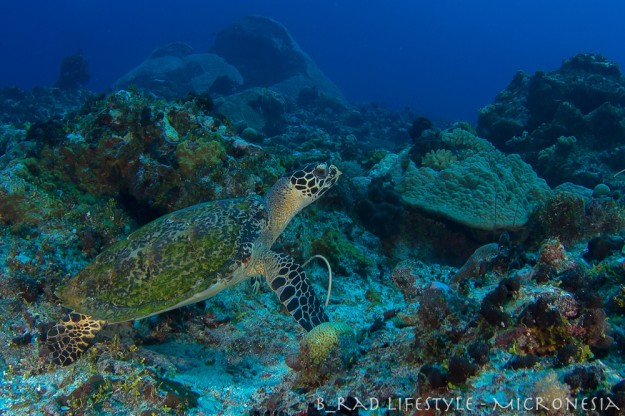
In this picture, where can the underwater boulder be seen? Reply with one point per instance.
(73, 73)
(262, 50)
(173, 70)
(260, 108)
(266, 54)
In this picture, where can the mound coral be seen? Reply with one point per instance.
(438, 159)
(324, 351)
(487, 191)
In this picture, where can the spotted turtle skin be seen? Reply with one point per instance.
(168, 261)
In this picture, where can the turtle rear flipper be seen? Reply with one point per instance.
(288, 280)
(68, 339)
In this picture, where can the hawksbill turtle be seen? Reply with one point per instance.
(191, 255)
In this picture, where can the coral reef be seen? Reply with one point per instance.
(343, 255)
(199, 155)
(429, 299)
(563, 121)
(572, 216)
(41, 104)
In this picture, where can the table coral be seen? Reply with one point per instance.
(487, 191)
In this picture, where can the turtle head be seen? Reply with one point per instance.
(314, 180)
(297, 190)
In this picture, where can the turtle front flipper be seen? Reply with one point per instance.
(68, 339)
(288, 280)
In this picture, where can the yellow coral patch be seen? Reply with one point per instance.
(323, 339)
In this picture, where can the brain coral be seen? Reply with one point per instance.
(323, 339)
(329, 349)
(488, 190)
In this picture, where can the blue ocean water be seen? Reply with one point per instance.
(445, 59)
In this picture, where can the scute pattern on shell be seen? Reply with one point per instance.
(168, 261)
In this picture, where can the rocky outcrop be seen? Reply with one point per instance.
(40, 104)
(174, 70)
(568, 123)
(253, 52)
(275, 70)
(266, 54)
(260, 108)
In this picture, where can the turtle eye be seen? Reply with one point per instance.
(321, 171)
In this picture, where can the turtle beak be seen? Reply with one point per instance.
(329, 180)
(338, 172)
(335, 173)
